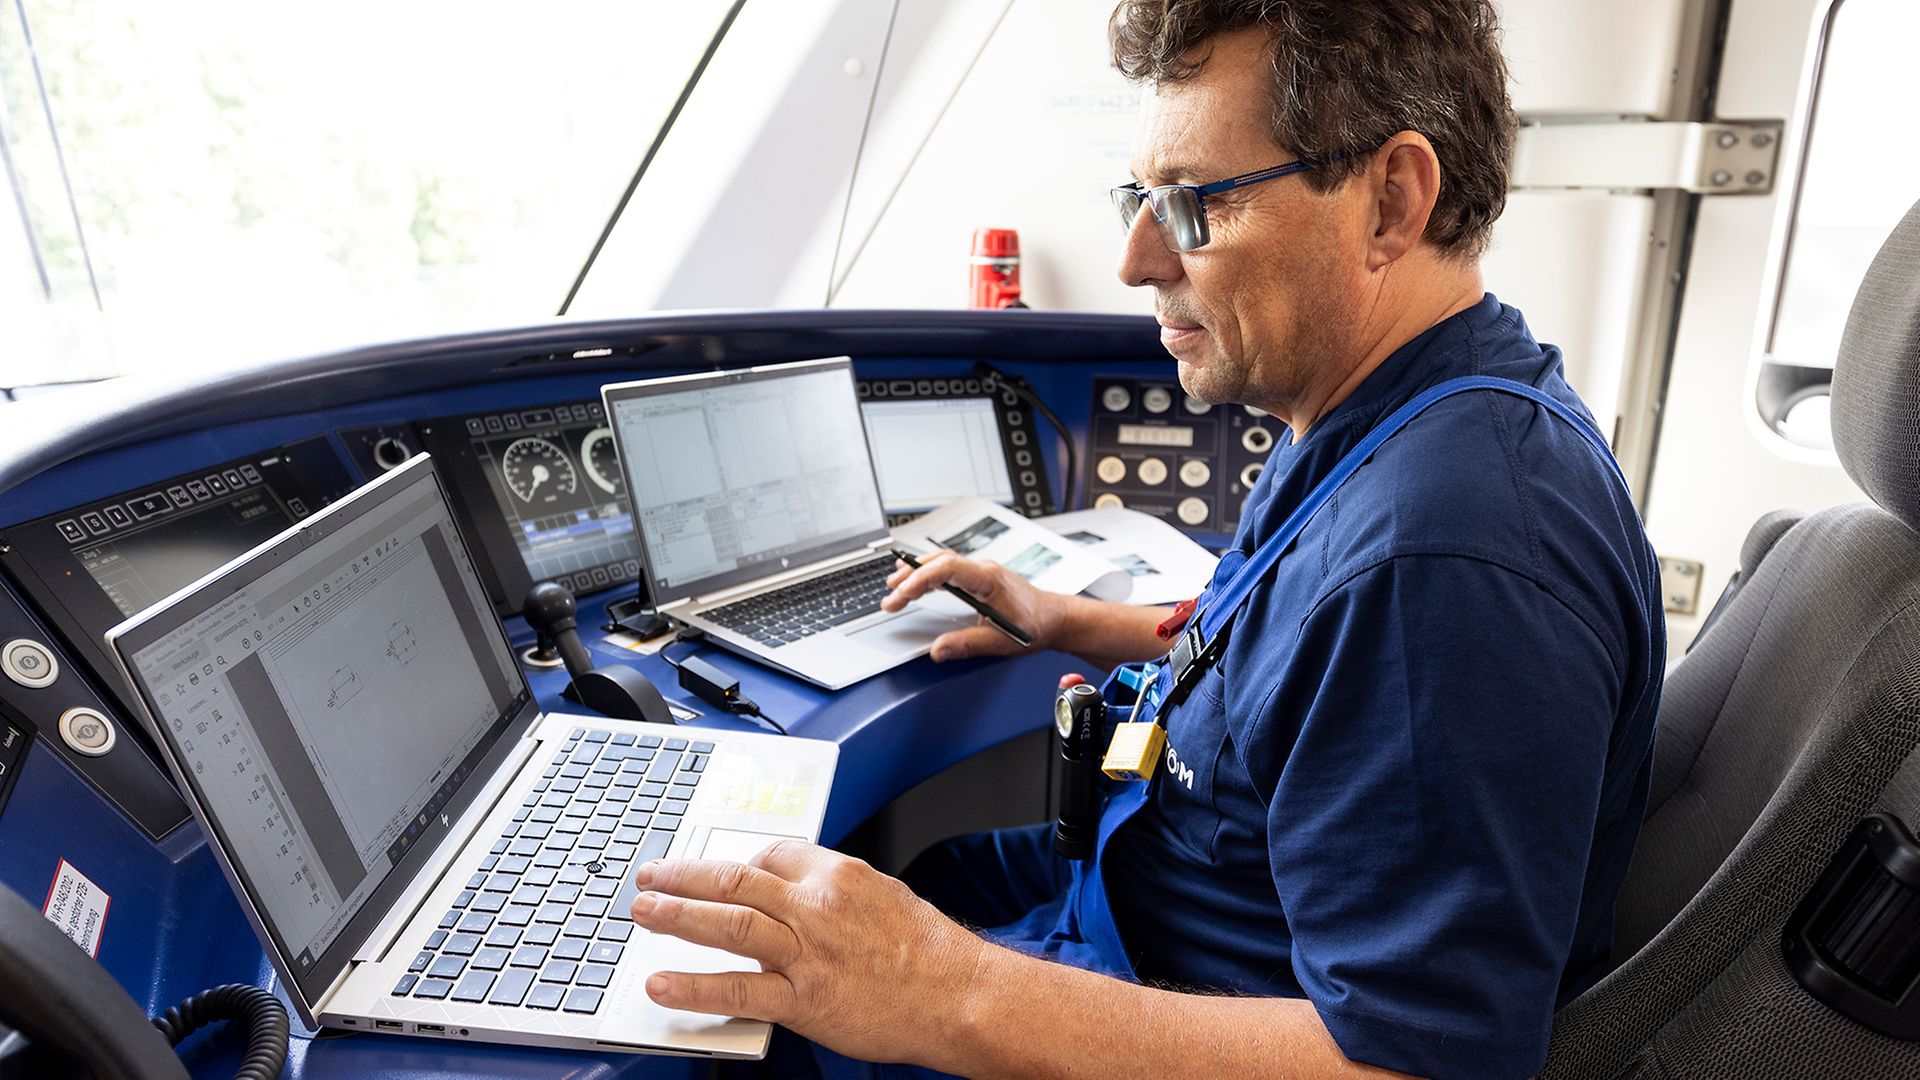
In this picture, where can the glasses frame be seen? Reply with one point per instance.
(1189, 231)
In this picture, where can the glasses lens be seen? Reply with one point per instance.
(1179, 210)
(1127, 200)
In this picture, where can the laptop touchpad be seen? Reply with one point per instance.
(909, 630)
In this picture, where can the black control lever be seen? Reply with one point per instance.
(616, 690)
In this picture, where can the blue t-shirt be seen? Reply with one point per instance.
(1409, 789)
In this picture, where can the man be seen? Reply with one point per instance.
(1393, 818)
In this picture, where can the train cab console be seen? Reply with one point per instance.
(112, 498)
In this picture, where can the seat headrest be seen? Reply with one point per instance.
(1876, 378)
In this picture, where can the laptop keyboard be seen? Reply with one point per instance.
(546, 918)
(807, 607)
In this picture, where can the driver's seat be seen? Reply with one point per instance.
(1794, 718)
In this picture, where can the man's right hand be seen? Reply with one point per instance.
(1043, 615)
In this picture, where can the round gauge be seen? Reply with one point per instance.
(597, 453)
(1116, 398)
(537, 468)
(1063, 716)
(1157, 399)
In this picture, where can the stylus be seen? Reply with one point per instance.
(1000, 622)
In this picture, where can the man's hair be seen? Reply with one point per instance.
(1350, 74)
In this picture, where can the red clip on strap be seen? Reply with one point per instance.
(1177, 621)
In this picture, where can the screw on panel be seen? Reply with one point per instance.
(1762, 140)
(1721, 178)
(1728, 140)
(1756, 178)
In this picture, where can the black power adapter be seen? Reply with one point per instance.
(718, 689)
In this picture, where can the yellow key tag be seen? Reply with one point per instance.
(1135, 751)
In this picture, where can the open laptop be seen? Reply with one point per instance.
(420, 850)
(759, 517)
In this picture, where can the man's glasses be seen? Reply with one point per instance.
(1181, 209)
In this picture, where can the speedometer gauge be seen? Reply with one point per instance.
(597, 453)
(536, 468)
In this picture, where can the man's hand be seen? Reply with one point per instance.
(850, 957)
(1041, 614)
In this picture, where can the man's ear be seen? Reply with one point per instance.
(1404, 182)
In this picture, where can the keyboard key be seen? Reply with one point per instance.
(405, 984)
(552, 913)
(583, 1001)
(603, 887)
(513, 864)
(489, 902)
(436, 939)
(654, 846)
(490, 959)
(649, 741)
(577, 874)
(516, 915)
(664, 823)
(487, 864)
(682, 793)
(447, 967)
(605, 952)
(450, 920)
(581, 926)
(477, 881)
(545, 997)
(432, 989)
(570, 948)
(420, 962)
(474, 987)
(504, 937)
(564, 894)
(540, 877)
(559, 971)
(591, 908)
(541, 934)
(702, 748)
(676, 744)
(503, 881)
(529, 894)
(512, 988)
(595, 975)
(463, 944)
(664, 767)
(624, 738)
(476, 923)
(529, 956)
(615, 930)
(652, 789)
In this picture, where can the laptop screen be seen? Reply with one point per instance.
(329, 696)
(737, 475)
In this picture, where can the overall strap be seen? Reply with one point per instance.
(1200, 645)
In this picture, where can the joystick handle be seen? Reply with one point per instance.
(549, 608)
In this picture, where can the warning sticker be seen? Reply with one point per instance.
(78, 907)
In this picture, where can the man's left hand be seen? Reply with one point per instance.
(850, 958)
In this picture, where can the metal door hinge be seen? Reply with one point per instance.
(1719, 158)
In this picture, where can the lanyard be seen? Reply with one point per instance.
(1167, 683)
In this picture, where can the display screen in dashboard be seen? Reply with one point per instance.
(90, 566)
(541, 492)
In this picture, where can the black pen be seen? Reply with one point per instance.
(1000, 622)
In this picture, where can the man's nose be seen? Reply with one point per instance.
(1146, 259)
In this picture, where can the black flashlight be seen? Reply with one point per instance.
(1079, 712)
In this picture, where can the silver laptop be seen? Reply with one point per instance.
(420, 850)
(759, 517)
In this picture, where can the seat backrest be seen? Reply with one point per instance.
(1797, 716)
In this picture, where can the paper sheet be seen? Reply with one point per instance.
(984, 530)
(1165, 565)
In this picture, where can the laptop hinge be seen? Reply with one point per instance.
(408, 903)
(774, 581)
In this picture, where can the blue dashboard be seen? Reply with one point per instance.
(87, 476)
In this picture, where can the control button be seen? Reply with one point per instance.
(71, 531)
(1153, 472)
(179, 496)
(1157, 399)
(1257, 440)
(1109, 501)
(252, 474)
(1029, 480)
(1116, 398)
(234, 479)
(218, 484)
(1023, 458)
(1111, 470)
(151, 505)
(1250, 475)
(923, 387)
(512, 421)
(390, 453)
(494, 427)
(117, 516)
(1195, 473)
(1033, 499)
(299, 508)
(86, 731)
(476, 426)
(1195, 406)
(940, 387)
(198, 489)
(1193, 511)
(28, 663)
(538, 418)
(94, 522)
(1251, 411)
(1017, 438)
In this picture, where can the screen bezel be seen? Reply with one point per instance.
(614, 393)
(135, 634)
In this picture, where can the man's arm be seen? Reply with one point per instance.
(1104, 634)
(853, 960)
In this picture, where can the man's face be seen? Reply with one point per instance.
(1269, 308)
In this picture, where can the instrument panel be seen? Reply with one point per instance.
(1156, 449)
(936, 440)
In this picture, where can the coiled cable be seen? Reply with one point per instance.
(262, 1014)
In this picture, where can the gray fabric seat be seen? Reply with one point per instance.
(1796, 716)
